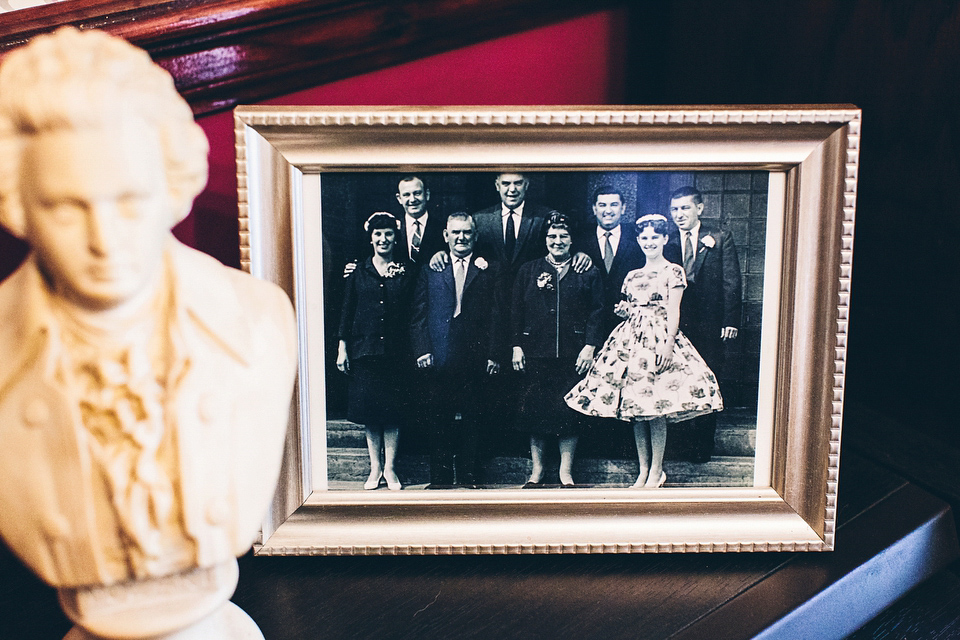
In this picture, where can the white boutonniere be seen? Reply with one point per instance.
(708, 242)
(394, 269)
(481, 264)
(545, 281)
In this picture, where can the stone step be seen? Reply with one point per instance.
(735, 441)
(736, 433)
(349, 467)
(343, 433)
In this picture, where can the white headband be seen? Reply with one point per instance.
(650, 217)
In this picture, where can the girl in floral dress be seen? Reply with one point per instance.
(647, 371)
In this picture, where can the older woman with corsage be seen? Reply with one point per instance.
(556, 321)
(373, 336)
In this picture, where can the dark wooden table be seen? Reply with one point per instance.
(891, 537)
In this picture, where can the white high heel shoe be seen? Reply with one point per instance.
(663, 479)
(393, 482)
(372, 482)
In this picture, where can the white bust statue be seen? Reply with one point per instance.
(144, 387)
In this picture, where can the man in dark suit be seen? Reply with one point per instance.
(710, 309)
(613, 248)
(512, 231)
(455, 333)
(421, 231)
(612, 245)
(419, 237)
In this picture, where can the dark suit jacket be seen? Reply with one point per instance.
(431, 239)
(713, 297)
(531, 244)
(629, 256)
(531, 238)
(558, 319)
(464, 343)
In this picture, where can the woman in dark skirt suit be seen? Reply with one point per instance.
(556, 325)
(373, 332)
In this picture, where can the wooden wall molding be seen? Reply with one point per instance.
(226, 52)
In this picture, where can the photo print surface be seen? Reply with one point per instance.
(548, 361)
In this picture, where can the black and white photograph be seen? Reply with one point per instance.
(542, 329)
(556, 331)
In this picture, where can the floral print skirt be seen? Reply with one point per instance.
(624, 384)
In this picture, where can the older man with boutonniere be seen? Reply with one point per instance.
(456, 336)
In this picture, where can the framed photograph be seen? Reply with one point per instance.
(556, 329)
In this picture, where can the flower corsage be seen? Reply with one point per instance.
(481, 264)
(545, 281)
(394, 269)
(708, 242)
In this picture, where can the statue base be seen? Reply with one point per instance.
(228, 622)
(192, 605)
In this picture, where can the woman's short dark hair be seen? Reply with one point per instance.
(558, 220)
(655, 221)
(380, 220)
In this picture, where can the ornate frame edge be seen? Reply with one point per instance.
(845, 115)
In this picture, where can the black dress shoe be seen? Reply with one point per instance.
(440, 485)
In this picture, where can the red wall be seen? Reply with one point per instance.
(574, 62)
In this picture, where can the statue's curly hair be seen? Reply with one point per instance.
(75, 80)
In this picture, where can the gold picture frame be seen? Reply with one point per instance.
(810, 154)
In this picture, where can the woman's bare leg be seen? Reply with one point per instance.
(658, 442)
(641, 435)
(536, 456)
(568, 447)
(374, 447)
(391, 437)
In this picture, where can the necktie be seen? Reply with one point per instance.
(607, 251)
(415, 242)
(510, 237)
(688, 253)
(459, 277)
